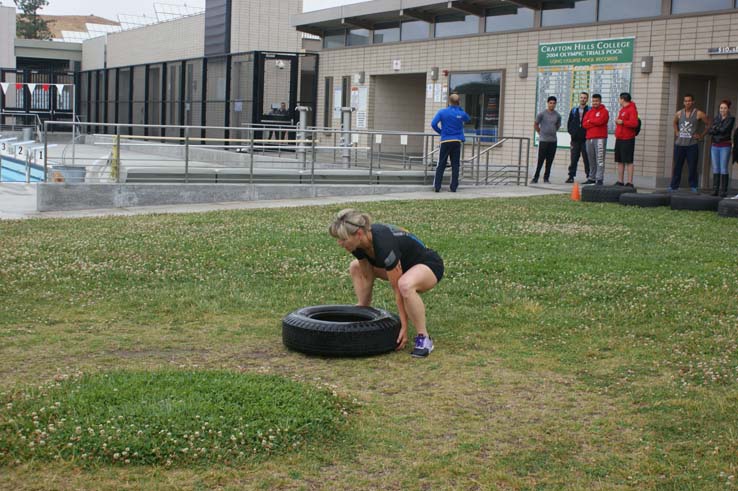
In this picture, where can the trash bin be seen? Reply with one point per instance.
(27, 134)
(67, 173)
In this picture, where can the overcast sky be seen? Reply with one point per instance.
(110, 9)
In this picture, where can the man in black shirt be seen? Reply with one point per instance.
(578, 137)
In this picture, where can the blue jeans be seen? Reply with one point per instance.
(720, 159)
(448, 149)
(691, 155)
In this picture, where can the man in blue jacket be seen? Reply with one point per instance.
(452, 121)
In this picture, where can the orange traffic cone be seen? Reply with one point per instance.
(575, 194)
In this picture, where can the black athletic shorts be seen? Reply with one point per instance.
(434, 262)
(624, 150)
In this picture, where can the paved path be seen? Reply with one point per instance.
(18, 201)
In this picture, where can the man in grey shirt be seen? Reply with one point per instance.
(547, 125)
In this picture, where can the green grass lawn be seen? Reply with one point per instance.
(578, 346)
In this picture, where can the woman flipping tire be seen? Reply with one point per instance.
(393, 254)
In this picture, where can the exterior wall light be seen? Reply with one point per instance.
(523, 70)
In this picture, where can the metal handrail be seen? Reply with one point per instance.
(75, 137)
(487, 150)
(37, 125)
(312, 149)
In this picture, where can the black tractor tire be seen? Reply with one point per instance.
(695, 202)
(728, 208)
(604, 194)
(340, 330)
(645, 200)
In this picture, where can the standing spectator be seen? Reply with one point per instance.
(578, 137)
(721, 130)
(595, 123)
(625, 133)
(687, 144)
(452, 121)
(735, 155)
(547, 125)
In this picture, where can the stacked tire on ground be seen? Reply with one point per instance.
(645, 200)
(340, 330)
(677, 201)
(728, 208)
(695, 202)
(605, 194)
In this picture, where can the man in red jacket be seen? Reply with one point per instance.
(595, 122)
(625, 133)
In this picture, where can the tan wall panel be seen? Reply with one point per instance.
(174, 40)
(93, 53)
(258, 25)
(7, 37)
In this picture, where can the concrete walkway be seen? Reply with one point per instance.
(18, 201)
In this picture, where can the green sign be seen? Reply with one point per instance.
(578, 53)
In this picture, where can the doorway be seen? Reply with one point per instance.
(275, 88)
(399, 106)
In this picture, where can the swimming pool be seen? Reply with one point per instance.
(13, 170)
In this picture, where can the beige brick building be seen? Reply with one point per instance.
(674, 45)
(7, 37)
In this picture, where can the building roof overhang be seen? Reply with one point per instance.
(367, 15)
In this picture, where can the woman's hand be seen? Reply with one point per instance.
(402, 338)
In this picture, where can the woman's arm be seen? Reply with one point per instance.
(394, 278)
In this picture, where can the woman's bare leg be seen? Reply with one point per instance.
(417, 279)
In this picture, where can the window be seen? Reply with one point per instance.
(583, 12)
(358, 37)
(413, 30)
(387, 33)
(334, 39)
(629, 9)
(456, 25)
(481, 99)
(328, 103)
(508, 19)
(688, 6)
(346, 91)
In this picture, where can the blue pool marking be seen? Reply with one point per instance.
(14, 170)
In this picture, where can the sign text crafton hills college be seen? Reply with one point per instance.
(586, 52)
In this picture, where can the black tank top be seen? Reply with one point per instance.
(392, 244)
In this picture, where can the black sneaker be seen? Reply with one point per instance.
(546, 181)
(570, 180)
(534, 181)
(599, 182)
(589, 181)
(619, 183)
(629, 185)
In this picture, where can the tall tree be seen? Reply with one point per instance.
(29, 24)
